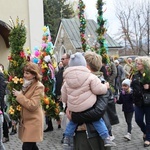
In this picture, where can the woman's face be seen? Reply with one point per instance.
(139, 65)
(28, 76)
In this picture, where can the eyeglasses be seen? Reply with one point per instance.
(63, 58)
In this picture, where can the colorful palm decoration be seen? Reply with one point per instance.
(45, 58)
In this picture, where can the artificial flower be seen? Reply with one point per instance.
(15, 80)
(21, 80)
(22, 54)
(50, 107)
(9, 58)
(18, 108)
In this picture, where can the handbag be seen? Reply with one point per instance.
(146, 99)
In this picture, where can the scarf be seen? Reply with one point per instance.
(26, 84)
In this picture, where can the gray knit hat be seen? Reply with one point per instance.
(126, 82)
(77, 59)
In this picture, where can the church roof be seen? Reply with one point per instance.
(71, 26)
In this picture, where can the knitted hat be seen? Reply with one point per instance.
(116, 62)
(126, 82)
(77, 59)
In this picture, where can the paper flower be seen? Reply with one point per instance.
(21, 80)
(22, 54)
(18, 108)
(51, 108)
(16, 80)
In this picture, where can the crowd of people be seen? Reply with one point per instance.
(87, 91)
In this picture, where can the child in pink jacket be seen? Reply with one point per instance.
(79, 93)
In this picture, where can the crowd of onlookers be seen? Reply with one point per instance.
(87, 91)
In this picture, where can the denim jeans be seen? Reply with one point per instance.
(142, 118)
(70, 129)
(1, 131)
(99, 126)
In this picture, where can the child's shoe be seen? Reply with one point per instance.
(112, 137)
(4, 140)
(128, 136)
(108, 142)
(68, 143)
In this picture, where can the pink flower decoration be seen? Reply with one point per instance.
(37, 53)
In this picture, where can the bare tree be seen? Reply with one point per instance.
(134, 24)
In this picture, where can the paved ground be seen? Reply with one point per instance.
(52, 139)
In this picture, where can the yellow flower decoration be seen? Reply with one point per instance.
(15, 63)
(144, 74)
(18, 108)
(16, 80)
(44, 28)
(28, 50)
(11, 110)
(44, 65)
(54, 64)
(21, 80)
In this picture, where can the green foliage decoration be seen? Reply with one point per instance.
(17, 60)
(101, 32)
(81, 7)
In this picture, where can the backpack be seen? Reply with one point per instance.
(136, 85)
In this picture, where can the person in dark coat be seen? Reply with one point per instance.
(2, 94)
(142, 111)
(126, 99)
(120, 76)
(59, 81)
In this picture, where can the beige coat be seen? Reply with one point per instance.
(80, 88)
(32, 121)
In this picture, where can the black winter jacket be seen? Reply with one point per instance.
(2, 90)
(126, 99)
(94, 113)
(138, 89)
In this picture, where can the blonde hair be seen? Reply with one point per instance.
(94, 61)
(144, 60)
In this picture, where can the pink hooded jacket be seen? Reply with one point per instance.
(80, 88)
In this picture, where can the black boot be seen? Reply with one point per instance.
(50, 126)
(13, 131)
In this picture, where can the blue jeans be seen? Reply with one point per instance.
(99, 126)
(142, 118)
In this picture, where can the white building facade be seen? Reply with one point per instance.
(31, 11)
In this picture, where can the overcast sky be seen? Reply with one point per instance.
(109, 14)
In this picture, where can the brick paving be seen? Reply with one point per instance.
(52, 139)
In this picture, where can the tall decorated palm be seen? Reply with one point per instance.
(103, 49)
(45, 58)
(81, 7)
(17, 60)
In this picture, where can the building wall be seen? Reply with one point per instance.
(63, 44)
(31, 11)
